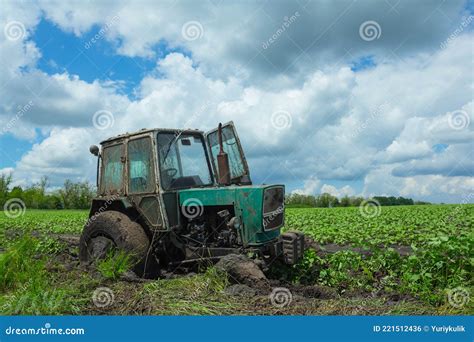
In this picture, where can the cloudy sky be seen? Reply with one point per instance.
(346, 97)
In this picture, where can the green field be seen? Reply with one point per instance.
(408, 259)
(422, 251)
(403, 225)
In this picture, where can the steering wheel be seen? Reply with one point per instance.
(171, 172)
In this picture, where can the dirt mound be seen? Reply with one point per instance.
(242, 270)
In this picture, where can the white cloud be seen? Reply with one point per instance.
(6, 170)
(378, 125)
(311, 186)
(346, 190)
(403, 151)
(235, 32)
(436, 188)
(64, 154)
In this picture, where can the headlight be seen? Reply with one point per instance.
(273, 207)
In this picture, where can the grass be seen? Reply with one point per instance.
(19, 264)
(114, 264)
(51, 221)
(35, 278)
(36, 297)
(201, 294)
(27, 286)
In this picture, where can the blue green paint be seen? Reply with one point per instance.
(248, 206)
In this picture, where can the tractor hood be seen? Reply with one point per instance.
(259, 208)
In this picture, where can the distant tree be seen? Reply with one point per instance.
(384, 201)
(356, 201)
(76, 195)
(300, 200)
(326, 200)
(345, 201)
(421, 203)
(5, 181)
(16, 192)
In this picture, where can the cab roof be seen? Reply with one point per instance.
(149, 130)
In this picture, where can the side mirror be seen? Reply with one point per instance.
(94, 149)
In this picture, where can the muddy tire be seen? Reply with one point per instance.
(112, 229)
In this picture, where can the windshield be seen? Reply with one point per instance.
(231, 147)
(183, 161)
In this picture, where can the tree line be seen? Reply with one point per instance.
(72, 195)
(326, 200)
(78, 195)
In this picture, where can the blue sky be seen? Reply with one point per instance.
(64, 52)
(372, 100)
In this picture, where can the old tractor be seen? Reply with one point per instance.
(173, 198)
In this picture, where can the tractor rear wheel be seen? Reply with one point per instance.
(113, 230)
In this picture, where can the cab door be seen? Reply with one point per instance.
(142, 185)
(239, 170)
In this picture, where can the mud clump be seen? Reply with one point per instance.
(242, 270)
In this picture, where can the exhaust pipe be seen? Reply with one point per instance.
(222, 161)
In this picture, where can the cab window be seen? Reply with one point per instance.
(231, 147)
(140, 166)
(112, 169)
(183, 161)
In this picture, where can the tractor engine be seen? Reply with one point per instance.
(215, 227)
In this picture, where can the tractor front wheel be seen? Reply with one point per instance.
(113, 230)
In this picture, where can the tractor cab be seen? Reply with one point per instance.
(190, 196)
